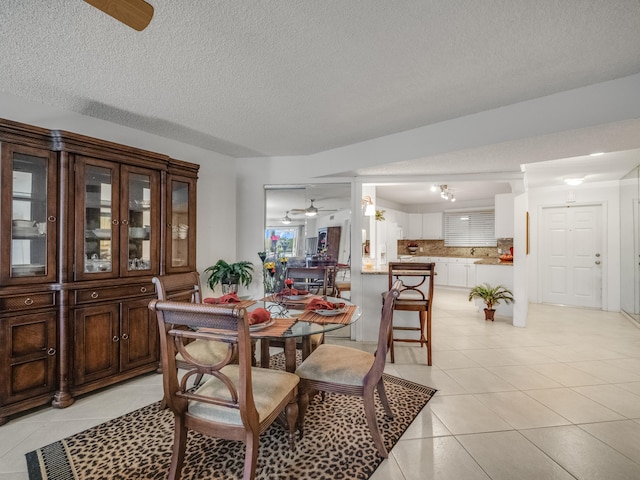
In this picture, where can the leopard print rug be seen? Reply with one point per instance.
(137, 446)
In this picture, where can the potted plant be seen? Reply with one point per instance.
(230, 275)
(491, 296)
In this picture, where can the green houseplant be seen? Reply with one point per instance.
(229, 275)
(491, 296)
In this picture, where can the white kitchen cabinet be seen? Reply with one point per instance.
(415, 226)
(403, 224)
(442, 271)
(432, 226)
(461, 272)
(504, 215)
(457, 274)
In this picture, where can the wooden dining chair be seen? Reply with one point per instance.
(186, 287)
(349, 371)
(237, 401)
(313, 279)
(416, 295)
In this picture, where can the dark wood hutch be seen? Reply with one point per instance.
(85, 224)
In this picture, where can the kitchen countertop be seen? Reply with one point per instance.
(381, 270)
(492, 261)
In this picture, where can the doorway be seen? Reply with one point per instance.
(571, 255)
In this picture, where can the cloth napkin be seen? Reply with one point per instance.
(293, 291)
(228, 298)
(259, 315)
(320, 304)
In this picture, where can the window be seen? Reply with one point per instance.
(282, 241)
(474, 228)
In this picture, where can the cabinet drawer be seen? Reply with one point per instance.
(23, 302)
(99, 294)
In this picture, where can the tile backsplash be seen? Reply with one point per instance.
(436, 248)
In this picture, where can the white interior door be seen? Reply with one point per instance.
(571, 255)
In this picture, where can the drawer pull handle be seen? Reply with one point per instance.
(28, 301)
(115, 222)
(51, 218)
(51, 352)
(125, 336)
(94, 295)
(143, 289)
(115, 338)
(125, 222)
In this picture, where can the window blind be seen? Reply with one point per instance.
(475, 228)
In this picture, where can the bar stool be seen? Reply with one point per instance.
(416, 295)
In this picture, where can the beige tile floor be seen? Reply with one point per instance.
(559, 399)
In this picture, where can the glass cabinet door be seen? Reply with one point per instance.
(140, 221)
(97, 223)
(181, 235)
(28, 215)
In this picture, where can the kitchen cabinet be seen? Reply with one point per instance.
(460, 272)
(452, 271)
(442, 271)
(504, 224)
(414, 230)
(432, 226)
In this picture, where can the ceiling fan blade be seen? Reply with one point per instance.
(134, 13)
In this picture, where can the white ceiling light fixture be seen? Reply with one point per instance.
(370, 209)
(446, 194)
(573, 181)
(286, 220)
(312, 211)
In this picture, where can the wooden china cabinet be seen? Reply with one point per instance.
(181, 219)
(86, 224)
(28, 263)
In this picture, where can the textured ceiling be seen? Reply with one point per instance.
(290, 77)
(249, 78)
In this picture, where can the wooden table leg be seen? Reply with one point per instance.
(306, 346)
(264, 353)
(290, 354)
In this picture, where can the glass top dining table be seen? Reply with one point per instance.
(296, 325)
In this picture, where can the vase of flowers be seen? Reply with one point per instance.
(273, 272)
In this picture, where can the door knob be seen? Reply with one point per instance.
(597, 262)
(597, 254)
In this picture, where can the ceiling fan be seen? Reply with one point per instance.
(311, 210)
(286, 220)
(133, 13)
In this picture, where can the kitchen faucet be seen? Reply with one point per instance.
(473, 250)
